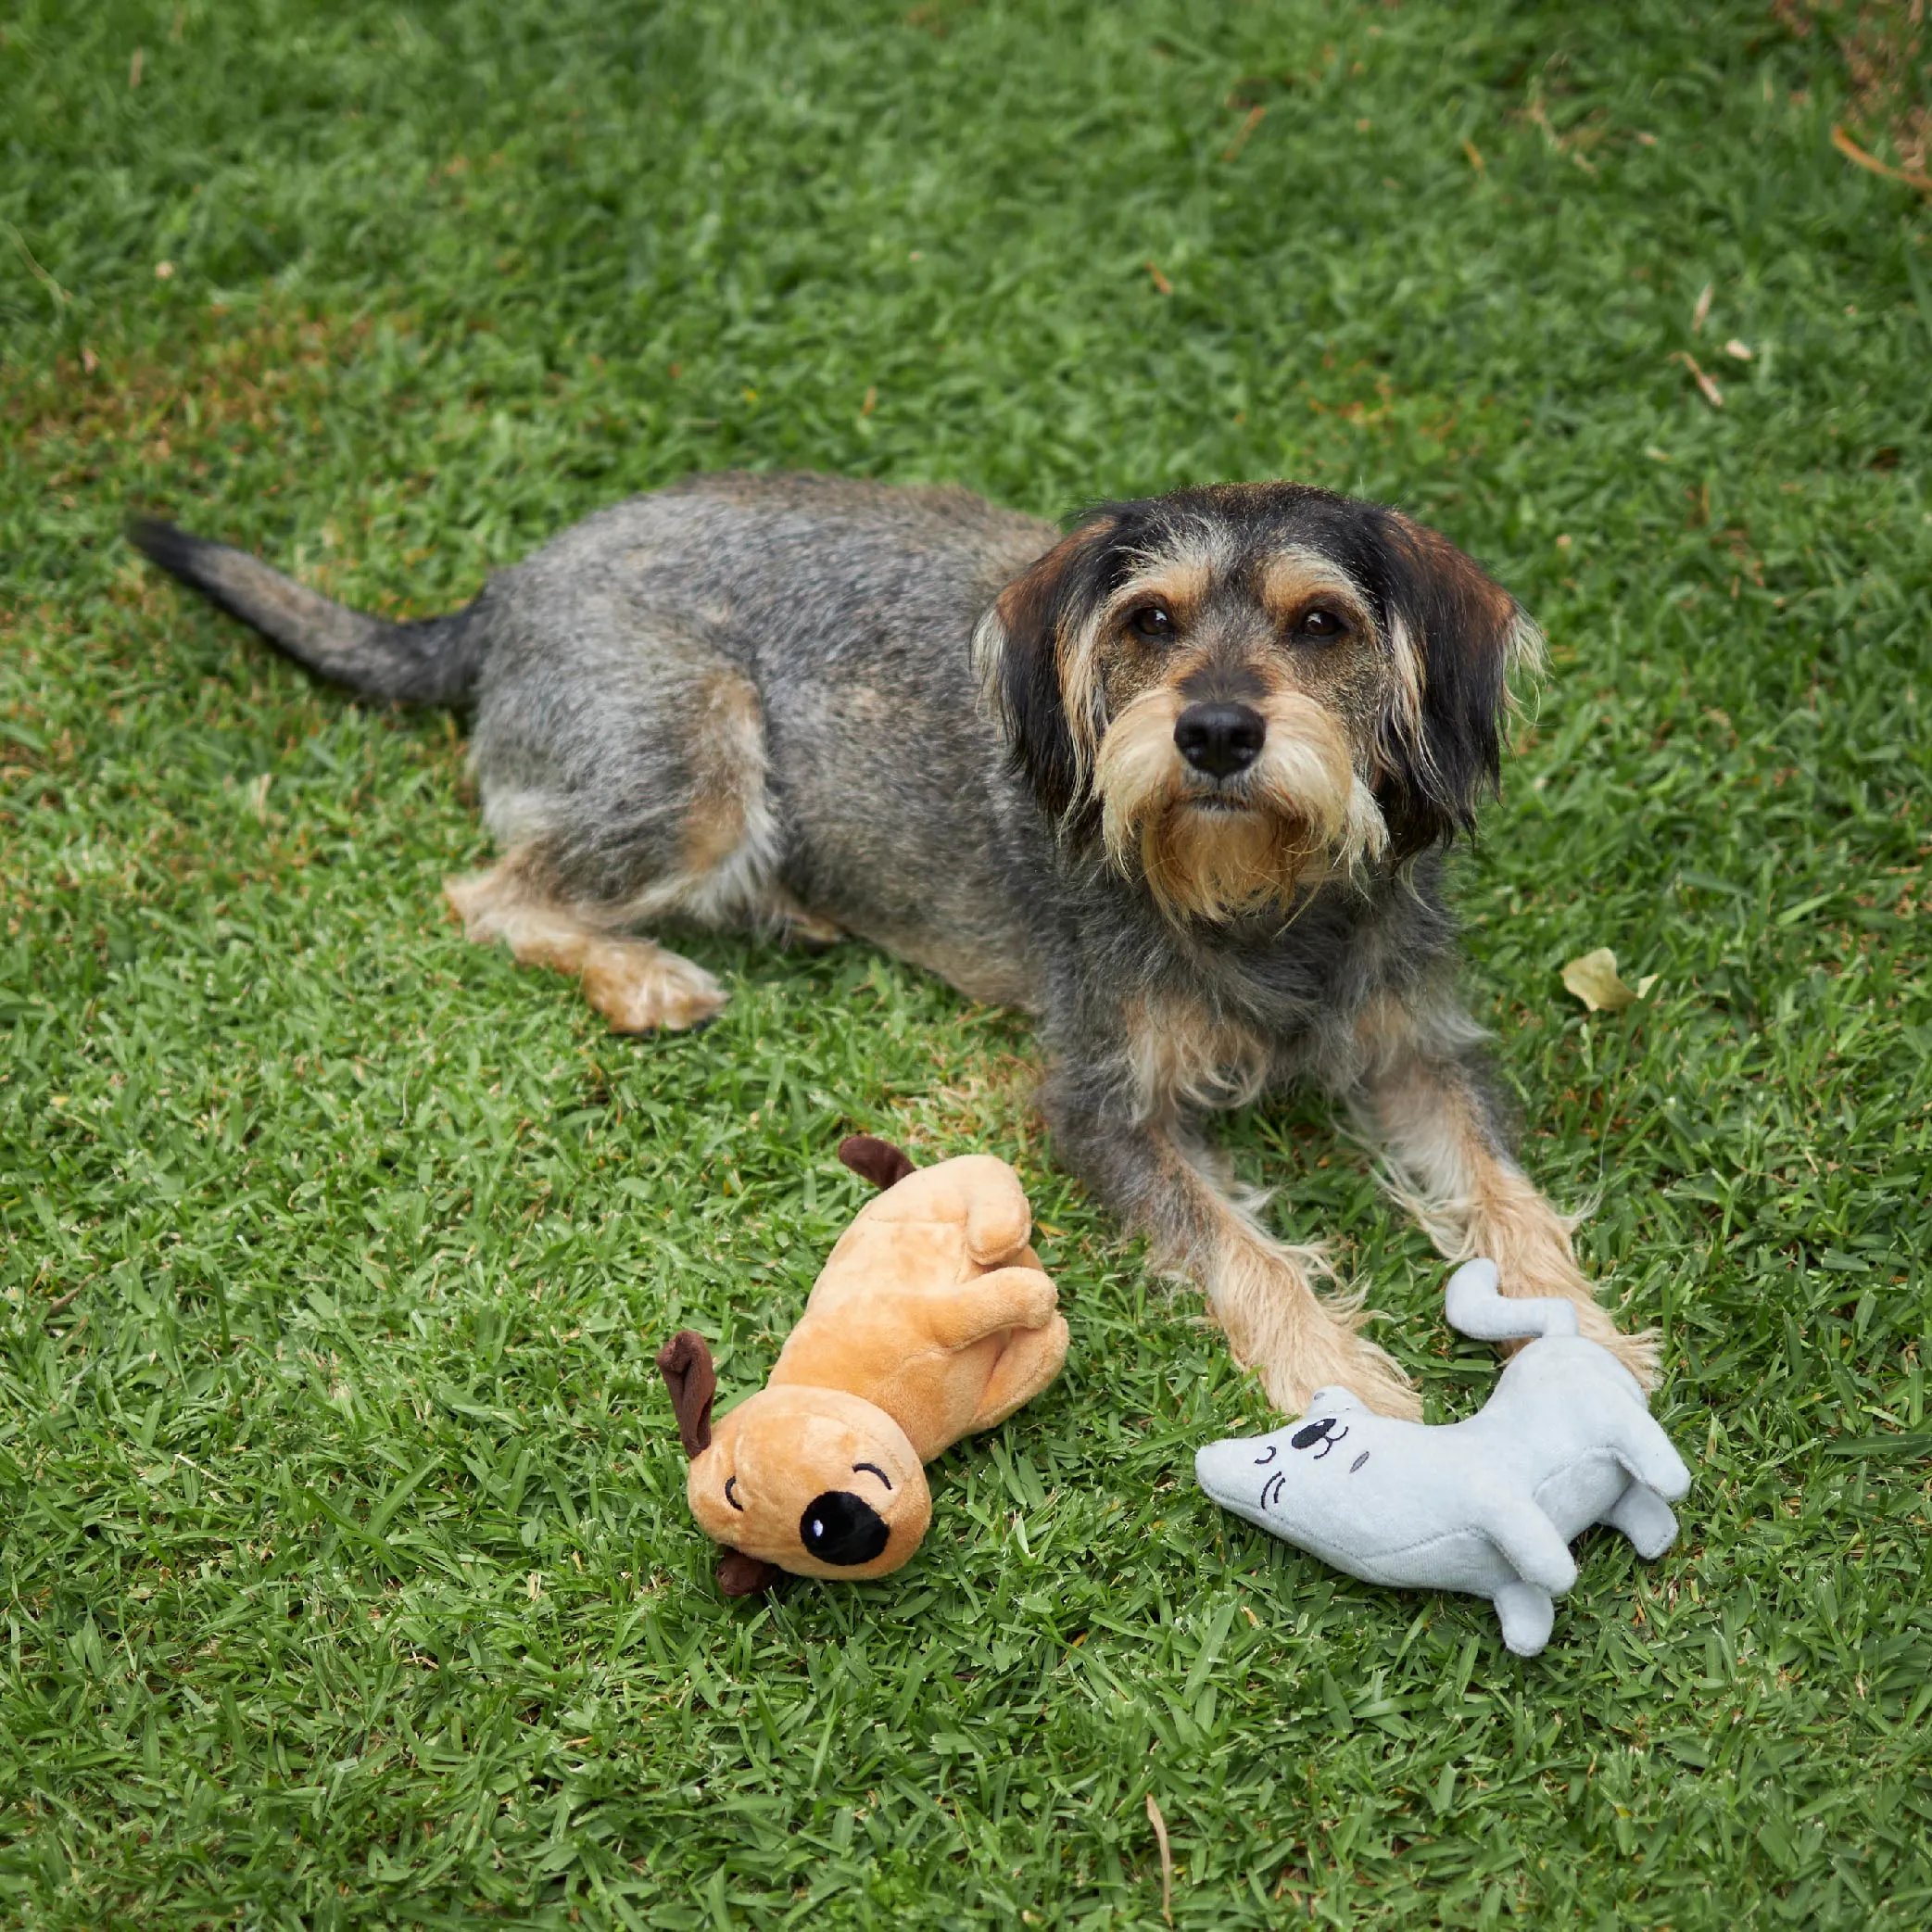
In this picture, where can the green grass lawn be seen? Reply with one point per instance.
(347, 1573)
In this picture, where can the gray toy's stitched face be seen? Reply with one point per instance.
(1314, 1441)
(1320, 1439)
(1316, 1481)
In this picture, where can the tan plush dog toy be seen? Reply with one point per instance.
(931, 1318)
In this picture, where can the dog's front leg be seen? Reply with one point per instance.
(1155, 1175)
(1424, 1096)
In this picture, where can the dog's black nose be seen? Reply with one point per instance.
(1220, 740)
(839, 1527)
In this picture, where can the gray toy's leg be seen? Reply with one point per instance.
(1527, 1616)
(1530, 1542)
(1645, 1518)
(1646, 1453)
(1424, 1095)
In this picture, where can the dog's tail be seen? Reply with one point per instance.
(434, 661)
(1474, 1305)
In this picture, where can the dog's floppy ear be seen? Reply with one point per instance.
(875, 1160)
(1456, 635)
(1023, 653)
(685, 1363)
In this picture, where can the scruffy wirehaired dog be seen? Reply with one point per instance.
(1178, 784)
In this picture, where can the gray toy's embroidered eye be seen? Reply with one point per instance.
(1358, 1462)
(1273, 1450)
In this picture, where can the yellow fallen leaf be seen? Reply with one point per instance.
(1593, 979)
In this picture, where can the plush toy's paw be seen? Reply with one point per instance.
(998, 1217)
(1027, 1364)
(1527, 1616)
(1646, 1518)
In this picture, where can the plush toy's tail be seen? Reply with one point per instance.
(1474, 1305)
(875, 1160)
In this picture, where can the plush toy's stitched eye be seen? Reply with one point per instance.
(874, 1469)
(1152, 624)
(731, 1484)
(1274, 1449)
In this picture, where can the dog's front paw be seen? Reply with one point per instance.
(1549, 1269)
(1339, 1358)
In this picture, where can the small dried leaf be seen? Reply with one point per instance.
(1706, 387)
(1593, 979)
(1645, 983)
(1166, 1859)
(1242, 134)
(1849, 149)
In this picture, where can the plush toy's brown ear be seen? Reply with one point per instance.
(739, 1575)
(685, 1363)
(875, 1160)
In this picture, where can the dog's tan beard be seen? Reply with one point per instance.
(1306, 814)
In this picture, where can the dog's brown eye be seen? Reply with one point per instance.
(1152, 623)
(1324, 626)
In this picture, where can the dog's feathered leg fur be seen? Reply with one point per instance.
(1424, 1097)
(1152, 1173)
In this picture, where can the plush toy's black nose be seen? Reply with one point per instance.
(839, 1527)
(1307, 1438)
(1220, 740)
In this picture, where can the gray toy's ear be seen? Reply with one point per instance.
(1335, 1402)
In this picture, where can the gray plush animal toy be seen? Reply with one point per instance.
(1488, 1505)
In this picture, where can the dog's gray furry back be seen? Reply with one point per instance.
(433, 662)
